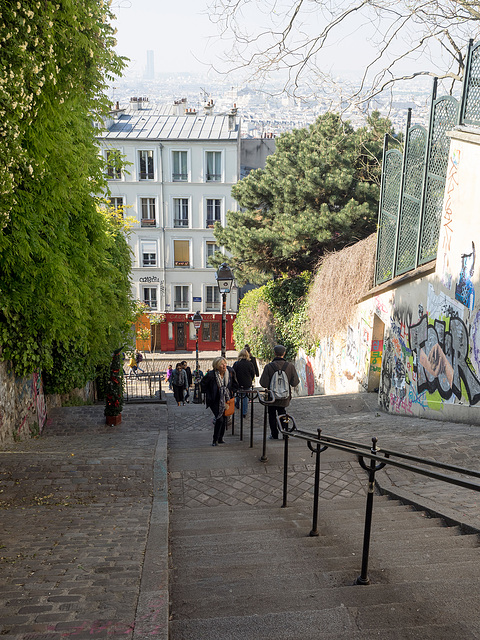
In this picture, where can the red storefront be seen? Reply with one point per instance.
(176, 333)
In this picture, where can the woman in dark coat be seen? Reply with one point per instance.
(245, 371)
(219, 385)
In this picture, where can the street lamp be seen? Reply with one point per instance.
(197, 323)
(224, 277)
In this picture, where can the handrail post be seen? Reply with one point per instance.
(363, 578)
(285, 469)
(251, 419)
(241, 416)
(264, 446)
(314, 531)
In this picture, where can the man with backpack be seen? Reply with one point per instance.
(279, 376)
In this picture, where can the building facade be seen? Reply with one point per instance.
(180, 167)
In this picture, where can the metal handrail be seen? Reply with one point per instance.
(379, 458)
(268, 399)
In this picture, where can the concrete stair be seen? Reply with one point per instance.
(254, 573)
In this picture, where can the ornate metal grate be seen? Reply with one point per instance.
(411, 202)
(387, 227)
(443, 118)
(471, 89)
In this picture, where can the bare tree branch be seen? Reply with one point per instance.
(300, 40)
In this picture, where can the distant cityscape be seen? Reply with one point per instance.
(269, 113)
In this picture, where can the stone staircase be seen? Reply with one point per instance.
(254, 573)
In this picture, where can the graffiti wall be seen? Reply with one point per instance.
(416, 341)
(431, 350)
(22, 405)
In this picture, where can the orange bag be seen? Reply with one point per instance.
(229, 407)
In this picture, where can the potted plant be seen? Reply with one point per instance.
(114, 395)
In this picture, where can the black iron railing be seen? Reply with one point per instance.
(379, 458)
(264, 397)
(143, 387)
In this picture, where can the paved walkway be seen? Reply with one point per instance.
(84, 512)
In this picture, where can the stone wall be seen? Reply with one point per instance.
(24, 406)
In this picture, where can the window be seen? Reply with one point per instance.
(114, 169)
(214, 211)
(181, 253)
(149, 254)
(212, 298)
(181, 298)
(180, 212)
(179, 166)
(150, 298)
(214, 166)
(147, 206)
(210, 331)
(145, 163)
(116, 203)
(211, 248)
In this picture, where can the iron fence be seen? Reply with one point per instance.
(143, 387)
(413, 185)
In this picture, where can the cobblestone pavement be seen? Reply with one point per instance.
(83, 508)
(75, 509)
(354, 417)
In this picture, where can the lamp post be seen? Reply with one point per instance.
(197, 323)
(224, 277)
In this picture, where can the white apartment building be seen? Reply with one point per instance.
(181, 165)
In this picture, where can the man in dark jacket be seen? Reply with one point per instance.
(245, 371)
(279, 406)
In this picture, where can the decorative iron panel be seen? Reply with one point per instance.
(387, 225)
(471, 102)
(411, 202)
(444, 118)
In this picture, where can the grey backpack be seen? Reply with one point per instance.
(279, 384)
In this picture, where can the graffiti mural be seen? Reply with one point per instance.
(442, 360)
(464, 289)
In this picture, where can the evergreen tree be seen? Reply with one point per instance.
(319, 191)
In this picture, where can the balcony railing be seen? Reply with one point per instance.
(148, 222)
(212, 306)
(180, 305)
(180, 177)
(146, 175)
(181, 263)
(211, 222)
(214, 177)
(180, 222)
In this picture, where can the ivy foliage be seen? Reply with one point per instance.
(274, 313)
(64, 261)
(319, 191)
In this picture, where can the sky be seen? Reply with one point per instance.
(184, 39)
(178, 31)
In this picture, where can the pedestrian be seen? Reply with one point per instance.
(188, 371)
(138, 360)
(245, 373)
(253, 359)
(133, 365)
(179, 383)
(169, 376)
(274, 382)
(219, 386)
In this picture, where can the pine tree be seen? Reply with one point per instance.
(318, 192)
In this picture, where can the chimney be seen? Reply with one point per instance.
(232, 118)
(208, 108)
